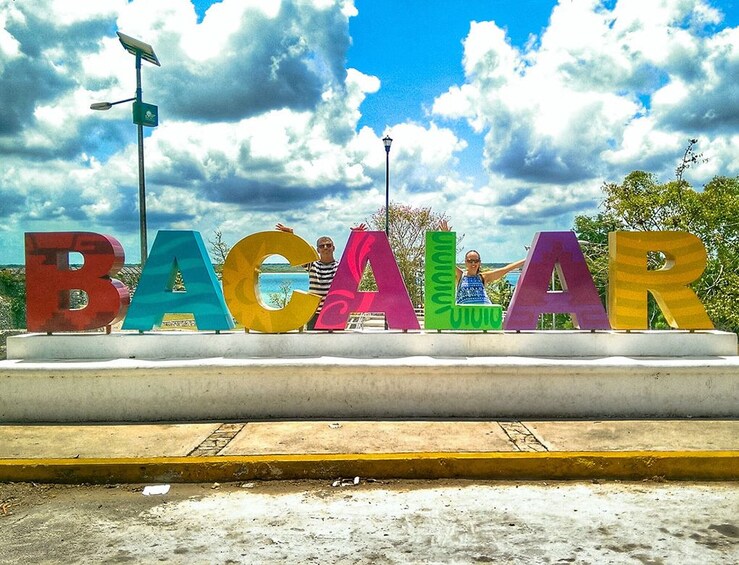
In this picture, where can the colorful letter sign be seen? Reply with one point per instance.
(173, 252)
(391, 297)
(49, 281)
(441, 311)
(629, 280)
(241, 280)
(578, 297)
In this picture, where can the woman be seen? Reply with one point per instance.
(471, 282)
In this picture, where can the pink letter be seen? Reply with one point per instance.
(391, 297)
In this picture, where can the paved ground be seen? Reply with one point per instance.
(48, 441)
(181, 452)
(374, 522)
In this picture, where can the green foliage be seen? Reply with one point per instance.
(640, 203)
(408, 227)
(13, 297)
(500, 292)
(280, 298)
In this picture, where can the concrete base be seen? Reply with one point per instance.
(189, 376)
(410, 387)
(368, 345)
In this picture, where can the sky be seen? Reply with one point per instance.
(507, 116)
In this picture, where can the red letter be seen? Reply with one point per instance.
(49, 281)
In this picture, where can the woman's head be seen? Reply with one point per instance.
(472, 262)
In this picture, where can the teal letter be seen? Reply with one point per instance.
(173, 252)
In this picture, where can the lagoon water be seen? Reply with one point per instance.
(269, 283)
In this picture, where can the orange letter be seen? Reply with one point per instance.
(240, 280)
(629, 280)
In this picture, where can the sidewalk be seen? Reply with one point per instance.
(264, 450)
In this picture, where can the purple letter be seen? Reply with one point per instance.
(579, 297)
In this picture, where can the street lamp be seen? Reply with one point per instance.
(143, 115)
(387, 141)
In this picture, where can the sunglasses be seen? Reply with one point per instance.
(472, 260)
(325, 245)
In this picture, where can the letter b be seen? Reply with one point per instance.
(49, 281)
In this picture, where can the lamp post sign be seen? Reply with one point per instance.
(145, 114)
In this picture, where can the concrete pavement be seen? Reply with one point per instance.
(418, 449)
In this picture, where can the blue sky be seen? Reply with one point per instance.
(508, 116)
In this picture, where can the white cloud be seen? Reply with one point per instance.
(259, 117)
(601, 93)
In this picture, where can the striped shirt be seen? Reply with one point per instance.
(320, 276)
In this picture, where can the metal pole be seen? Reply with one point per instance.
(142, 182)
(387, 192)
(554, 316)
(387, 202)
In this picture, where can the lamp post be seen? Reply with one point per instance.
(387, 141)
(143, 115)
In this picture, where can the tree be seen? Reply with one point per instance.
(641, 203)
(218, 251)
(500, 292)
(280, 298)
(13, 299)
(408, 227)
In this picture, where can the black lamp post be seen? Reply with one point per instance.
(143, 115)
(387, 141)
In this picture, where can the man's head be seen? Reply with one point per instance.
(325, 248)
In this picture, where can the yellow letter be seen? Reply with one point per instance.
(629, 280)
(241, 278)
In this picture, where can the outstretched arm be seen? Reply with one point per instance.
(495, 274)
(444, 226)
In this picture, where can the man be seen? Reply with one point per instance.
(321, 273)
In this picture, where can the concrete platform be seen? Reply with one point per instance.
(482, 449)
(166, 376)
(370, 344)
(326, 387)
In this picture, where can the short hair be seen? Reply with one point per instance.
(324, 238)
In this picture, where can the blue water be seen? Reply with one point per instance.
(270, 282)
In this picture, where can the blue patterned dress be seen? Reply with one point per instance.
(471, 290)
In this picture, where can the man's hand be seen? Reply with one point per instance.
(360, 227)
(444, 226)
(286, 229)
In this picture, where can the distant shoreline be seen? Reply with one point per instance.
(265, 268)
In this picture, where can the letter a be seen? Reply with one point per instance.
(155, 296)
(391, 297)
(578, 297)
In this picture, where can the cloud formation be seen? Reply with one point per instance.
(260, 118)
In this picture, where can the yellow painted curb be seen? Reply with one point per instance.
(633, 465)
